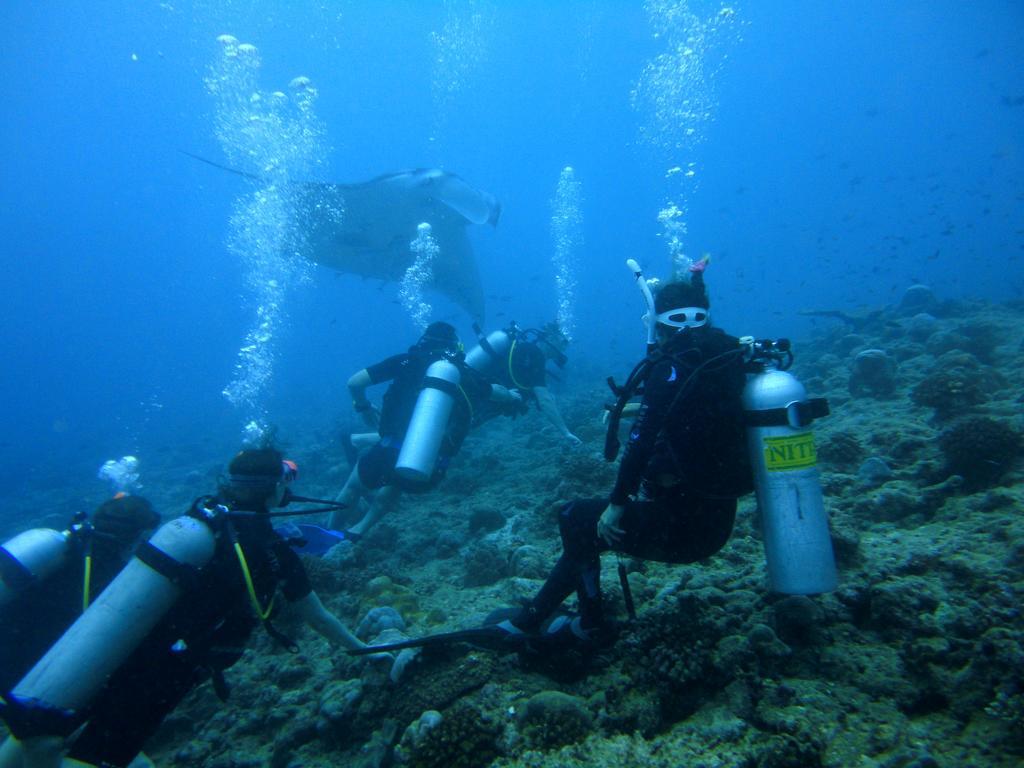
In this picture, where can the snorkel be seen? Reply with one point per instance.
(645, 289)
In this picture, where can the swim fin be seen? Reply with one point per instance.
(317, 540)
(491, 637)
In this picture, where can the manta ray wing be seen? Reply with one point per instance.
(366, 228)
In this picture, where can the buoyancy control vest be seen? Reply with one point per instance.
(701, 441)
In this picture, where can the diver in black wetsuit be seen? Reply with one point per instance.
(374, 475)
(520, 363)
(204, 631)
(96, 552)
(684, 468)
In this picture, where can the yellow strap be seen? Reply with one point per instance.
(264, 615)
(86, 580)
(511, 375)
(469, 403)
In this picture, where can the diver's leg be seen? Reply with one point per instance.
(676, 529)
(385, 501)
(350, 495)
(363, 440)
(579, 567)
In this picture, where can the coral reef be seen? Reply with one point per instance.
(949, 392)
(873, 373)
(464, 738)
(980, 449)
(553, 718)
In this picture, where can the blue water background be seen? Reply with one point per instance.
(857, 147)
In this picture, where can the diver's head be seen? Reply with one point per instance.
(258, 479)
(439, 338)
(681, 305)
(124, 519)
(553, 343)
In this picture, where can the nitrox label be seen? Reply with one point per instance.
(790, 452)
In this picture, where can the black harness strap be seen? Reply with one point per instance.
(31, 718)
(485, 345)
(799, 414)
(444, 385)
(180, 574)
(13, 572)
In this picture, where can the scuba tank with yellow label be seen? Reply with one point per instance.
(794, 524)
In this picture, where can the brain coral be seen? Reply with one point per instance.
(948, 392)
(980, 450)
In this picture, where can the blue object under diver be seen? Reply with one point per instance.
(309, 539)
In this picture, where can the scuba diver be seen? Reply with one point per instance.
(416, 444)
(675, 496)
(50, 577)
(517, 359)
(683, 470)
(179, 613)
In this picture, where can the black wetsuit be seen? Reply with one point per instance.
(406, 373)
(524, 367)
(37, 617)
(684, 467)
(204, 633)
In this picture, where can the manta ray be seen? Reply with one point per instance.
(366, 228)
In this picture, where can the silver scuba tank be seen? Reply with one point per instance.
(74, 670)
(29, 557)
(429, 422)
(484, 360)
(797, 544)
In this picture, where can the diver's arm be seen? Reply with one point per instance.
(326, 623)
(547, 405)
(358, 382)
(659, 392)
(500, 394)
(357, 385)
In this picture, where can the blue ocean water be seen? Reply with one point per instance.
(839, 152)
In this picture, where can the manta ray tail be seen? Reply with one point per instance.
(229, 169)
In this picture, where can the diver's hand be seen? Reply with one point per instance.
(608, 526)
(369, 412)
(517, 404)
(630, 409)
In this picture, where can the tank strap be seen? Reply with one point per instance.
(31, 718)
(180, 574)
(486, 346)
(452, 390)
(796, 415)
(13, 572)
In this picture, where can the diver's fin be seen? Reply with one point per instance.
(318, 540)
(493, 637)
